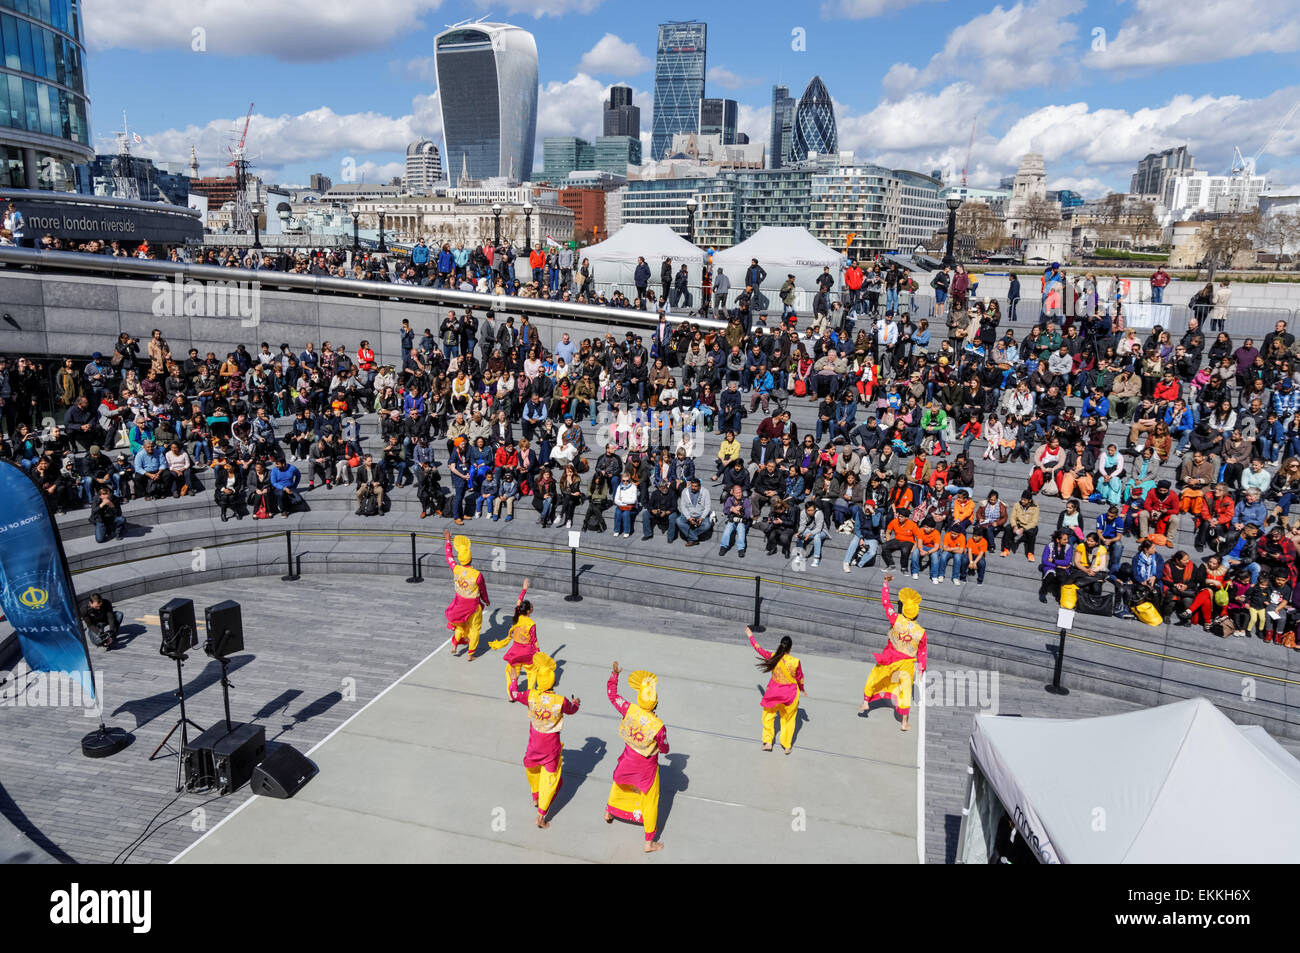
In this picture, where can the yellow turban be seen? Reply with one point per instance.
(911, 602)
(461, 545)
(646, 686)
(544, 670)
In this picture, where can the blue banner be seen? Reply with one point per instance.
(35, 589)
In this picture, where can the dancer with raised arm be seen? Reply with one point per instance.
(465, 614)
(544, 757)
(782, 695)
(634, 795)
(522, 639)
(895, 670)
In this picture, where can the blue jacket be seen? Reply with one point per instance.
(641, 277)
(420, 255)
(444, 261)
(1185, 421)
(286, 479)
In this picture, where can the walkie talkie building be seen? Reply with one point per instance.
(487, 92)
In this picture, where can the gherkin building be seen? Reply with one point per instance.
(814, 122)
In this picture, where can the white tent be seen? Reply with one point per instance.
(1175, 784)
(781, 252)
(613, 261)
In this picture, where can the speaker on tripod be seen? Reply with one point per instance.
(179, 634)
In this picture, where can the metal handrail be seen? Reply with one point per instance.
(101, 201)
(510, 304)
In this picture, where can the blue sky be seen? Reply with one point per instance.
(1094, 86)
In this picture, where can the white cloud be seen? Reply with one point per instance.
(542, 8)
(318, 135)
(615, 56)
(863, 9)
(721, 76)
(331, 29)
(1180, 32)
(1007, 48)
(421, 69)
(1087, 148)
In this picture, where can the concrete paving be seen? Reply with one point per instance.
(431, 770)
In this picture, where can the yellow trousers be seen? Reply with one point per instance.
(512, 675)
(627, 802)
(788, 715)
(544, 784)
(892, 681)
(468, 631)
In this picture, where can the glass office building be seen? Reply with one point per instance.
(781, 138)
(921, 212)
(487, 93)
(814, 123)
(44, 113)
(718, 118)
(679, 83)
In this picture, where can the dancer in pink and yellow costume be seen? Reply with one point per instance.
(522, 639)
(896, 667)
(634, 795)
(783, 689)
(465, 614)
(544, 757)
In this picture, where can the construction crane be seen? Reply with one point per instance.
(1246, 167)
(242, 216)
(969, 147)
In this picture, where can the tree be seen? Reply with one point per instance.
(1040, 216)
(1225, 238)
(1280, 231)
(977, 221)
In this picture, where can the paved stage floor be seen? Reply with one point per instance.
(430, 771)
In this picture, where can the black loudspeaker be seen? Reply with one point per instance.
(283, 773)
(200, 769)
(179, 633)
(225, 629)
(237, 754)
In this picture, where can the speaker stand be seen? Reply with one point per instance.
(225, 692)
(181, 723)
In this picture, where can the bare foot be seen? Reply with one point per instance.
(862, 707)
(542, 822)
(652, 846)
(905, 726)
(767, 747)
(787, 750)
(609, 818)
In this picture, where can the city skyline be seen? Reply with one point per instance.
(1066, 79)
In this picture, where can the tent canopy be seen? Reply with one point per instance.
(780, 252)
(613, 261)
(1173, 784)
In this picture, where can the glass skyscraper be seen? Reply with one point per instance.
(814, 123)
(621, 117)
(778, 144)
(44, 119)
(718, 118)
(487, 92)
(679, 83)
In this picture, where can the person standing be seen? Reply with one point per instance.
(522, 639)
(896, 666)
(665, 279)
(634, 794)
(465, 614)
(721, 288)
(544, 756)
(1159, 280)
(1222, 299)
(783, 689)
(1013, 296)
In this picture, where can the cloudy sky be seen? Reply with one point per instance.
(1094, 86)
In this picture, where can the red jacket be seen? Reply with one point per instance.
(1220, 509)
(537, 258)
(853, 278)
(1166, 507)
(1167, 391)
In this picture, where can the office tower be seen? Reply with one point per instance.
(679, 82)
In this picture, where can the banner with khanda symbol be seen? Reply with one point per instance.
(36, 591)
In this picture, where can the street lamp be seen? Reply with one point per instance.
(257, 236)
(356, 232)
(382, 247)
(691, 206)
(954, 203)
(496, 215)
(528, 227)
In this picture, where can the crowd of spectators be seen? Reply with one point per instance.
(1156, 444)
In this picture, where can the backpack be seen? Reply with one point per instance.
(369, 505)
